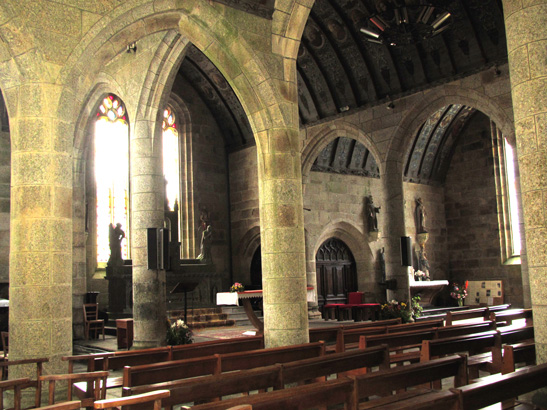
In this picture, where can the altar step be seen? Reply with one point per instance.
(237, 313)
(202, 317)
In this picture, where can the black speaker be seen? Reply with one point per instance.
(152, 245)
(406, 251)
(163, 251)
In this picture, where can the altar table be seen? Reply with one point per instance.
(233, 298)
(427, 290)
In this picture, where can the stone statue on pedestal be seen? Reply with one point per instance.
(116, 235)
(205, 247)
(371, 214)
(420, 216)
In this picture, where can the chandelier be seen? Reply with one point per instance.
(398, 22)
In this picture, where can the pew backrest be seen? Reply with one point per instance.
(209, 348)
(403, 377)
(524, 352)
(464, 329)
(405, 327)
(472, 343)
(481, 312)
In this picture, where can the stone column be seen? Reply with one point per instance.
(147, 211)
(394, 229)
(526, 28)
(41, 231)
(282, 233)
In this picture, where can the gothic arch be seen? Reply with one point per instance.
(327, 134)
(435, 100)
(354, 239)
(246, 247)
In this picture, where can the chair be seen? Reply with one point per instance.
(357, 310)
(92, 321)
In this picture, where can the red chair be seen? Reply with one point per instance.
(358, 311)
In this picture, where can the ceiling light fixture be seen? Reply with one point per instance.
(399, 23)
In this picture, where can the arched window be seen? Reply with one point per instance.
(171, 166)
(511, 181)
(111, 174)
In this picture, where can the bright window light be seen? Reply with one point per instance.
(513, 199)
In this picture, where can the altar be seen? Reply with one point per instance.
(233, 298)
(427, 290)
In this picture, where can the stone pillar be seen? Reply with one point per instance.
(41, 231)
(394, 229)
(147, 211)
(526, 28)
(282, 233)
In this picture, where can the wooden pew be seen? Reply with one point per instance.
(509, 315)
(179, 369)
(65, 405)
(276, 376)
(329, 334)
(119, 360)
(481, 312)
(385, 383)
(37, 384)
(155, 397)
(524, 352)
(404, 345)
(17, 385)
(472, 344)
(315, 395)
(464, 329)
(405, 327)
(209, 348)
(97, 391)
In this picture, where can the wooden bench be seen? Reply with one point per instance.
(385, 383)
(405, 346)
(262, 378)
(464, 329)
(155, 397)
(477, 313)
(509, 315)
(329, 334)
(209, 348)
(65, 405)
(17, 385)
(36, 383)
(524, 352)
(349, 338)
(315, 395)
(96, 380)
(219, 363)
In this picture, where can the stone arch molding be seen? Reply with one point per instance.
(437, 99)
(354, 238)
(329, 133)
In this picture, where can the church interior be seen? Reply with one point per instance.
(156, 152)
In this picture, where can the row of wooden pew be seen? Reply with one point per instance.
(147, 364)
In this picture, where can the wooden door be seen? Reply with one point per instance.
(336, 273)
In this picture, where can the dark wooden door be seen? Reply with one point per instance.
(336, 273)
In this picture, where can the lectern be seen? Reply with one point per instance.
(185, 287)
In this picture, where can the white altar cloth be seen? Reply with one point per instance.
(232, 298)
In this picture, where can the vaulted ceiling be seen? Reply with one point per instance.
(341, 69)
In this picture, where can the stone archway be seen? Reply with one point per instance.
(336, 272)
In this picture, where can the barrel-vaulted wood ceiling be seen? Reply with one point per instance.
(341, 69)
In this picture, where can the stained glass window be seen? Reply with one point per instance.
(510, 175)
(171, 167)
(111, 175)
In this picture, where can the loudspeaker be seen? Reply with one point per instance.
(406, 251)
(152, 247)
(163, 251)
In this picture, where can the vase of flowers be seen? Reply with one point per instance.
(178, 333)
(237, 287)
(421, 275)
(406, 311)
(459, 292)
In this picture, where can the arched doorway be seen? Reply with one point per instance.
(336, 272)
(256, 270)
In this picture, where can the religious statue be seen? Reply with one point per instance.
(383, 264)
(116, 235)
(205, 247)
(420, 216)
(423, 263)
(371, 214)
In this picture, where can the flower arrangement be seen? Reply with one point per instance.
(407, 312)
(237, 287)
(421, 275)
(178, 333)
(459, 292)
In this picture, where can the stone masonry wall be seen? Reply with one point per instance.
(335, 200)
(5, 161)
(433, 200)
(471, 216)
(244, 210)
